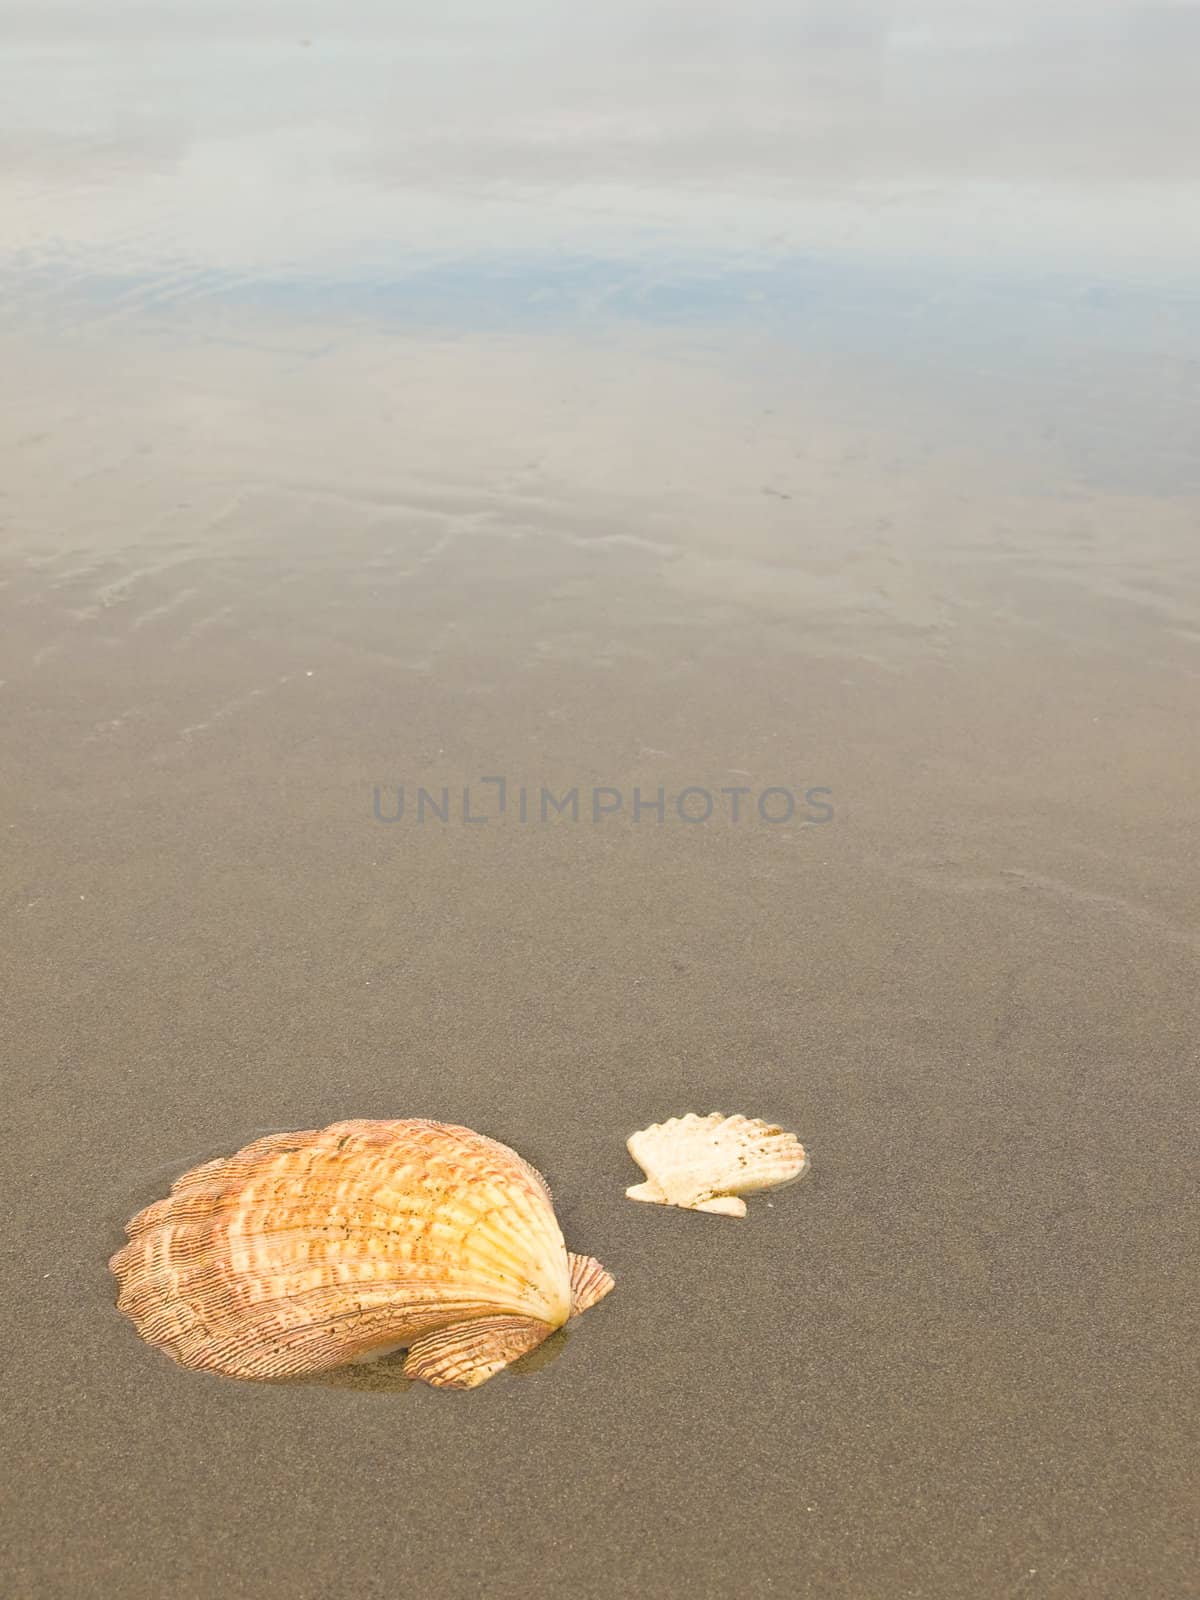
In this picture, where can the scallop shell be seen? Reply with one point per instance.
(705, 1163)
(306, 1251)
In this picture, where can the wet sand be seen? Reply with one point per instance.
(279, 536)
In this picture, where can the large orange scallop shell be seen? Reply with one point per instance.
(305, 1251)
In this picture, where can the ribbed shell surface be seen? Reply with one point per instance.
(307, 1250)
(690, 1158)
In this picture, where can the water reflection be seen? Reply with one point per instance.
(212, 139)
(990, 213)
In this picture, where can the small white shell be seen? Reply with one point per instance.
(705, 1163)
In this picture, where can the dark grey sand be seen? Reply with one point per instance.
(326, 465)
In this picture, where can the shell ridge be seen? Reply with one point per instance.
(466, 1354)
(589, 1282)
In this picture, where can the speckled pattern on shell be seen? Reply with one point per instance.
(305, 1251)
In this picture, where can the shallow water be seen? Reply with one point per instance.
(793, 409)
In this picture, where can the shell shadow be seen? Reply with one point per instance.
(386, 1376)
(546, 1354)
